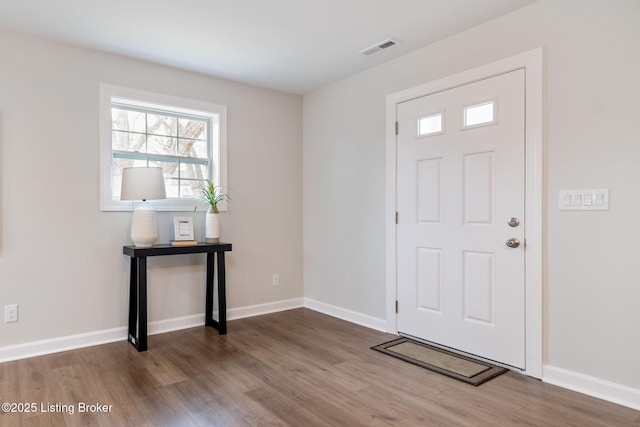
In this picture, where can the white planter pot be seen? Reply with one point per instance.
(212, 227)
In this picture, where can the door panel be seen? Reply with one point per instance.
(429, 202)
(458, 183)
(429, 284)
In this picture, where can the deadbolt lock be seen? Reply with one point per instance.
(513, 222)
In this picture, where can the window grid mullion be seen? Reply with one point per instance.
(136, 155)
(179, 177)
(146, 135)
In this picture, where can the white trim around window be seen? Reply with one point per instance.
(144, 99)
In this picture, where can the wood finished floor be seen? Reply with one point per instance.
(295, 368)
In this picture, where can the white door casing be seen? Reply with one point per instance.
(530, 64)
(458, 283)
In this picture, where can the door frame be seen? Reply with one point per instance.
(531, 62)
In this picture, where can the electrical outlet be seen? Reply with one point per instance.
(276, 280)
(11, 313)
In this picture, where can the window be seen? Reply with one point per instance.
(186, 138)
(480, 114)
(430, 125)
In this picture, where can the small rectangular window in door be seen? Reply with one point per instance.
(431, 124)
(480, 114)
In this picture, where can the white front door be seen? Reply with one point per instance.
(461, 204)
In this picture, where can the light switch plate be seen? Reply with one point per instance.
(583, 200)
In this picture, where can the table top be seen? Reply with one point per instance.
(167, 249)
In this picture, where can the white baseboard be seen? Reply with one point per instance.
(55, 345)
(348, 315)
(89, 339)
(592, 386)
(175, 324)
(270, 307)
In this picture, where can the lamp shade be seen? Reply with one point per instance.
(142, 184)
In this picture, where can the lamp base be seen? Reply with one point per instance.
(144, 229)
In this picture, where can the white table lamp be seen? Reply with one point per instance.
(143, 184)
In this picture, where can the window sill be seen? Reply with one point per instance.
(166, 205)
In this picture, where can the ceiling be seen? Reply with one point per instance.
(295, 46)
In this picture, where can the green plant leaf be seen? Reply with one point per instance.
(211, 194)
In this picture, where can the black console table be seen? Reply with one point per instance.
(138, 286)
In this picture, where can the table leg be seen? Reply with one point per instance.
(208, 313)
(133, 300)
(142, 304)
(222, 299)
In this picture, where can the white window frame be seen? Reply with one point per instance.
(218, 157)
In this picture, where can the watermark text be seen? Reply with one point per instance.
(56, 407)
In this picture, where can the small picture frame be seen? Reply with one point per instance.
(183, 228)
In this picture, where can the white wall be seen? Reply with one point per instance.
(592, 140)
(61, 257)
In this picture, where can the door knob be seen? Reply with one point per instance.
(513, 243)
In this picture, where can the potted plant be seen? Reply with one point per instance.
(212, 194)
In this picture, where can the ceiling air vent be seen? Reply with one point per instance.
(385, 44)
